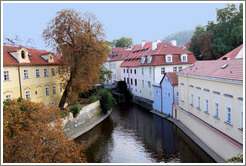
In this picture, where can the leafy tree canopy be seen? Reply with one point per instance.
(32, 133)
(105, 75)
(216, 39)
(122, 42)
(84, 50)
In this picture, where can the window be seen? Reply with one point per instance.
(191, 97)
(149, 59)
(127, 70)
(182, 92)
(228, 115)
(54, 103)
(184, 57)
(174, 68)
(198, 99)
(6, 75)
(241, 115)
(23, 54)
(228, 109)
(150, 71)
(142, 70)
(131, 81)
(45, 72)
(28, 95)
(124, 79)
(136, 82)
(47, 91)
(169, 58)
(142, 59)
(60, 87)
(54, 89)
(206, 106)
(127, 80)
(25, 74)
(131, 71)
(163, 70)
(216, 106)
(37, 73)
(52, 71)
(149, 84)
(135, 71)
(143, 83)
(124, 70)
(8, 97)
(180, 68)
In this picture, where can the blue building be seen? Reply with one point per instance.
(166, 93)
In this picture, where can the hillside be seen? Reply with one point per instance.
(181, 37)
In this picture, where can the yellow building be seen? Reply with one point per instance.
(31, 74)
(211, 104)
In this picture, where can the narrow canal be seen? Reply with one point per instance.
(133, 135)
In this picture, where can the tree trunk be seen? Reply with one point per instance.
(65, 94)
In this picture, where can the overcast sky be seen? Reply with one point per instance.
(140, 21)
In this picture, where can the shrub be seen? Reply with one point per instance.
(75, 109)
(107, 101)
(237, 159)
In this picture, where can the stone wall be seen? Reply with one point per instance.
(87, 113)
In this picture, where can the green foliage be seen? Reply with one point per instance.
(105, 75)
(75, 109)
(122, 42)
(181, 37)
(236, 159)
(20, 99)
(107, 101)
(215, 40)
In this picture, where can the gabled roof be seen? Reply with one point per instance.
(172, 77)
(119, 54)
(230, 69)
(232, 54)
(35, 58)
(187, 45)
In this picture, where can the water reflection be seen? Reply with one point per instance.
(134, 135)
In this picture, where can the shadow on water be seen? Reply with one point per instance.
(132, 134)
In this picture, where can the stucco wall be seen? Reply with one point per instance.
(157, 99)
(219, 144)
(167, 96)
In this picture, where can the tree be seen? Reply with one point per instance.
(32, 133)
(105, 75)
(81, 40)
(122, 42)
(206, 45)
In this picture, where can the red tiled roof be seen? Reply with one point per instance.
(35, 59)
(172, 76)
(187, 45)
(231, 54)
(213, 68)
(119, 55)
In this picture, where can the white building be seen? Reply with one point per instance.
(151, 60)
(116, 57)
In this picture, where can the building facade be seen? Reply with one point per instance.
(166, 94)
(116, 57)
(151, 60)
(211, 104)
(31, 74)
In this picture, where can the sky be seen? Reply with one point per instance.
(139, 21)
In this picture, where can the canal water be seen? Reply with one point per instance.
(134, 135)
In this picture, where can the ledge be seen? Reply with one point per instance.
(216, 117)
(228, 123)
(206, 112)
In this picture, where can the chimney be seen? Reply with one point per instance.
(173, 42)
(155, 43)
(144, 42)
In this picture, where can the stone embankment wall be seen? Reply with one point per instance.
(87, 113)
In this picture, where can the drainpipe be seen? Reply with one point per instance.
(161, 100)
(19, 81)
(129, 78)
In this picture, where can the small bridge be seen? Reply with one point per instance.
(120, 98)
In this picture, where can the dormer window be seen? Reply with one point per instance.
(142, 59)
(149, 59)
(184, 58)
(169, 58)
(23, 54)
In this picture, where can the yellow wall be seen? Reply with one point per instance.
(35, 85)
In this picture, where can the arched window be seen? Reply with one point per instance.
(23, 54)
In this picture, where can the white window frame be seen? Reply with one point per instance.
(149, 59)
(191, 96)
(167, 58)
(228, 110)
(163, 70)
(6, 75)
(184, 57)
(45, 72)
(149, 84)
(47, 91)
(174, 69)
(206, 102)
(180, 68)
(182, 92)
(216, 101)
(28, 94)
(198, 97)
(54, 89)
(241, 115)
(25, 72)
(8, 97)
(37, 73)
